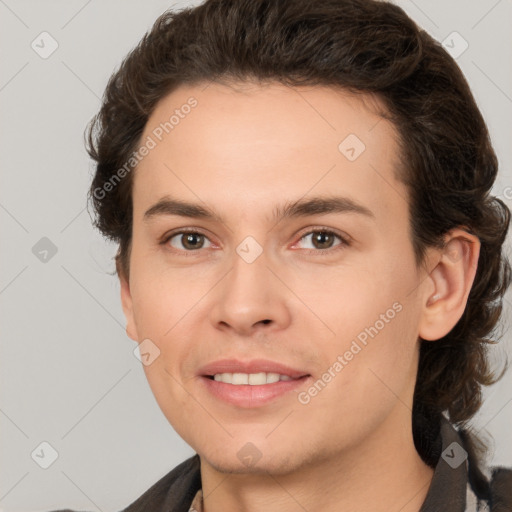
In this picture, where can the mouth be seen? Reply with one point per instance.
(255, 371)
(251, 384)
(251, 379)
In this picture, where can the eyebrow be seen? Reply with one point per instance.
(292, 209)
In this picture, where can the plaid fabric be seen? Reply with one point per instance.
(473, 504)
(197, 502)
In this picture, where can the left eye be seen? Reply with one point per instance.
(322, 239)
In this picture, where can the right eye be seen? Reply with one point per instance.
(188, 241)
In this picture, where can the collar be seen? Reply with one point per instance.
(449, 484)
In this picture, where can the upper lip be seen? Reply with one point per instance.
(252, 366)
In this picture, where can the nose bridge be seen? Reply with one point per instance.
(250, 294)
(249, 275)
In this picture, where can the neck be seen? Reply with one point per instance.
(384, 472)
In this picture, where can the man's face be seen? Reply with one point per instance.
(333, 295)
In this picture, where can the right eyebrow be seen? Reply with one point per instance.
(169, 206)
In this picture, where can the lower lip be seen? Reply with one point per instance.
(247, 396)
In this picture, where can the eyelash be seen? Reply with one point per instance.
(319, 252)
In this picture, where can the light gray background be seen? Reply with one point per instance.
(68, 374)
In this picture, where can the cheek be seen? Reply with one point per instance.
(164, 307)
(374, 345)
(364, 381)
(160, 300)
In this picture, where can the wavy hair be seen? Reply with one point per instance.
(363, 46)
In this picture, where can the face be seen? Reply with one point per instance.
(297, 254)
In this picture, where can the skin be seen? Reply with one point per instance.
(243, 151)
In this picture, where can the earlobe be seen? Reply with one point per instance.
(452, 279)
(127, 305)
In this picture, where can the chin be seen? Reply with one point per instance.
(250, 461)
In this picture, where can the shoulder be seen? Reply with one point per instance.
(462, 482)
(500, 489)
(491, 493)
(174, 492)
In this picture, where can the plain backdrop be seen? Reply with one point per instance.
(68, 376)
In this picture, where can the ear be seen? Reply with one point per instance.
(127, 304)
(448, 284)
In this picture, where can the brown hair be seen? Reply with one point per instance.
(367, 46)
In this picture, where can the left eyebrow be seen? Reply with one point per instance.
(321, 206)
(299, 208)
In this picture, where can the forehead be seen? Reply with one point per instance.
(260, 144)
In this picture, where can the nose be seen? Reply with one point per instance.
(251, 298)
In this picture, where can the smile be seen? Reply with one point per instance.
(239, 392)
(252, 379)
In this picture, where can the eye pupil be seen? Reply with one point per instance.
(188, 240)
(321, 237)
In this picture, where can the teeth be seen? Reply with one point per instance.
(256, 378)
(240, 378)
(253, 379)
(272, 377)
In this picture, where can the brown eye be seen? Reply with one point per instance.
(323, 239)
(187, 241)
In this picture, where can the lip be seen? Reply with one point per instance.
(245, 395)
